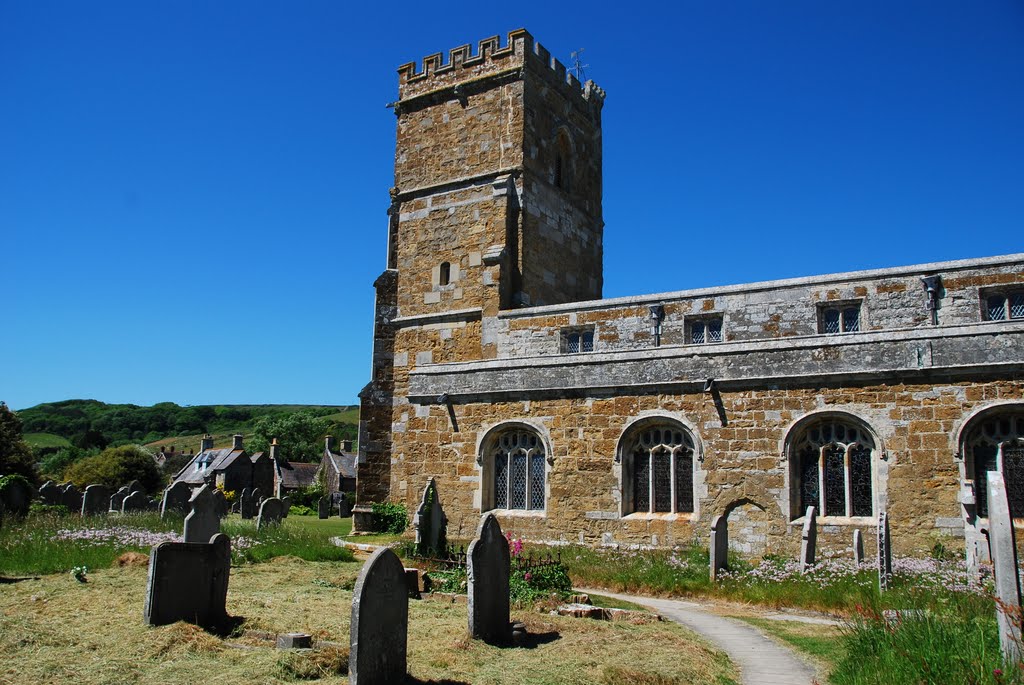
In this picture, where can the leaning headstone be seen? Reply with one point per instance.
(202, 521)
(488, 570)
(95, 500)
(135, 501)
(117, 499)
(188, 581)
(71, 498)
(809, 541)
(344, 508)
(222, 503)
(858, 547)
(15, 496)
(719, 545)
(271, 513)
(323, 507)
(49, 493)
(884, 552)
(430, 523)
(176, 499)
(378, 633)
(246, 504)
(1002, 543)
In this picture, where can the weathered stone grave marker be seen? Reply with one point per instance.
(488, 571)
(380, 622)
(246, 504)
(222, 504)
(135, 486)
(884, 552)
(117, 499)
(1002, 541)
(430, 523)
(809, 540)
(323, 507)
(271, 513)
(202, 522)
(71, 498)
(135, 501)
(95, 500)
(344, 507)
(719, 545)
(15, 496)
(188, 581)
(286, 503)
(858, 547)
(176, 498)
(49, 493)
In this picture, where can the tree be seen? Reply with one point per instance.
(117, 466)
(15, 455)
(300, 435)
(54, 465)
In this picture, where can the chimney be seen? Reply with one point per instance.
(236, 441)
(329, 442)
(346, 445)
(207, 443)
(273, 449)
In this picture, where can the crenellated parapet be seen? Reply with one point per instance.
(491, 60)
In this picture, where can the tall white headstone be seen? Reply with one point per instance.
(1003, 545)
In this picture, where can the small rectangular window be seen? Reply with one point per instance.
(839, 318)
(1000, 306)
(705, 330)
(576, 341)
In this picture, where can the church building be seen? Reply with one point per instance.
(500, 371)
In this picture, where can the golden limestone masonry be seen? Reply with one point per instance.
(499, 371)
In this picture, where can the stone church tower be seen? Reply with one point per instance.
(496, 205)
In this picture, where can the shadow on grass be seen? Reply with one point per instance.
(532, 640)
(8, 581)
(410, 680)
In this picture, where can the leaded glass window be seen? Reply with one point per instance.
(706, 331)
(834, 469)
(1001, 306)
(578, 341)
(997, 443)
(519, 470)
(661, 464)
(844, 319)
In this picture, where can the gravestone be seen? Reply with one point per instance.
(16, 497)
(246, 504)
(271, 513)
(95, 500)
(117, 499)
(71, 498)
(188, 581)
(884, 552)
(323, 507)
(344, 508)
(49, 493)
(222, 504)
(135, 486)
(379, 629)
(809, 541)
(1002, 543)
(176, 499)
(257, 497)
(719, 545)
(286, 502)
(858, 547)
(488, 570)
(430, 523)
(135, 501)
(202, 522)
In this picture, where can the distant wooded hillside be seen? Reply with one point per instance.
(78, 421)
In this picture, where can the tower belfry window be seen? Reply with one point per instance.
(445, 276)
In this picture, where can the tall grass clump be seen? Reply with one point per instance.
(249, 545)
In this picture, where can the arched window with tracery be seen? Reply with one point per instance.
(996, 443)
(518, 469)
(833, 462)
(658, 469)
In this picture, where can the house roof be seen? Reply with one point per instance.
(215, 460)
(343, 463)
(297, 474)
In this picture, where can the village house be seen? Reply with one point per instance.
(338, 469)
(229, 468)
(499, 371)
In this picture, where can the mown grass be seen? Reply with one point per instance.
(45, 440)
(57, 631)
(48, 543)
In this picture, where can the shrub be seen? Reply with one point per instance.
(301, 510)
(390, 517)
(116, 466)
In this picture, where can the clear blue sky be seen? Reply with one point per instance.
(193, 194)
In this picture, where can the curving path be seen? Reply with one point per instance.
(759, 660)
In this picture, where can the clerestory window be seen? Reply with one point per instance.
(839, 319)
(518, 466)
(1000, 306)
(658, 470)
(997, 444)
(833, 468)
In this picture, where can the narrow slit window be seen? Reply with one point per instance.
(445, 273)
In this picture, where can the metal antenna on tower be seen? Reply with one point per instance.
(578, 66)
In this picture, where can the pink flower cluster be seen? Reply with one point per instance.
(119, 535)
(514, 545)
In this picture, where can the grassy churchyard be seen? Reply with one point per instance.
(936, 624)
